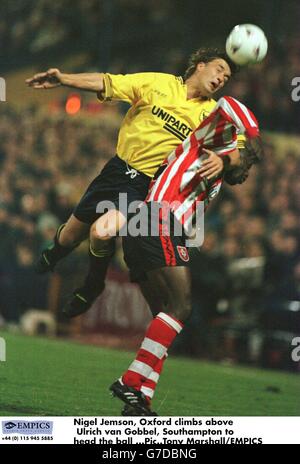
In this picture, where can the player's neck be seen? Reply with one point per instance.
(193, 90)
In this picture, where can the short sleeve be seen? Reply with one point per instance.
(126, 87)
(241, 139)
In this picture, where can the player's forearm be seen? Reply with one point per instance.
(92, 82)
(235, 171)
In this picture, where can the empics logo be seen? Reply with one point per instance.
(28, 427)
(2, 89)
(2, 350)
(296, 351)
(10, 425)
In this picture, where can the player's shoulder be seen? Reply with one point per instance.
(170, 78)
(210, 104)
(162, 77)
(149, 77)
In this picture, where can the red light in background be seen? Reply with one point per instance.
(73, 104)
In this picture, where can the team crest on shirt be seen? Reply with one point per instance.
(183, 253)
(204, 114)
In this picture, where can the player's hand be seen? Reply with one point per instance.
(212, 166)
(46, 80)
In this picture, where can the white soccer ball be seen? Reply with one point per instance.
(246, 44)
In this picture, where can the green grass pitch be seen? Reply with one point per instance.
(45, 377)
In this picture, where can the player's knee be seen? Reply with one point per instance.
(98, 233)
(108, 225)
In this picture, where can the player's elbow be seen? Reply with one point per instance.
(100, 84)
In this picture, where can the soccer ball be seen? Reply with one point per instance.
(246, 44)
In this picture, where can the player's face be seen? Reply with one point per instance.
(212, 76)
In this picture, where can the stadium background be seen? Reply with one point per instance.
(246, 279)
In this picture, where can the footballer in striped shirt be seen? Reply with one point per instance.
(159, 258)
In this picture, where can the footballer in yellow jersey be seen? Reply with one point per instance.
(161, 116)
(165, 109)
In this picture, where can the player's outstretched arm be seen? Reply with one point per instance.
(93, 82)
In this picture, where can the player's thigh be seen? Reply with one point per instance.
(108, 225)
(74, 231)
(153, 296)
(178, 282)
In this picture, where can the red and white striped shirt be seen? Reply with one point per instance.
(180, 183)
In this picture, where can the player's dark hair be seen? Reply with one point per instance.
(205, 55)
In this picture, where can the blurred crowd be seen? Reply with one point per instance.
(46, 166)
(39, 27)
(132, 36)
(267, 89)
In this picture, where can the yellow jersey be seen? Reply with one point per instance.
(159, 119)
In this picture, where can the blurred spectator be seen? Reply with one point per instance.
(281, 261)
(295, 292)
(26, 279)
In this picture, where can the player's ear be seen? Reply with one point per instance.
(200, 66)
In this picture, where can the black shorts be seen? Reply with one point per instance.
(148, 252)
(116, 177)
